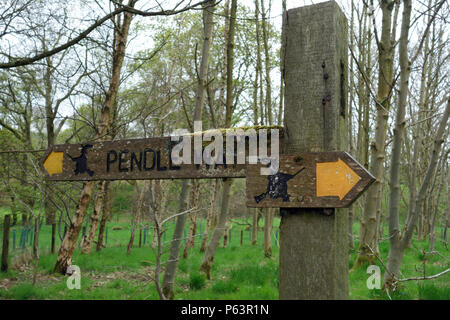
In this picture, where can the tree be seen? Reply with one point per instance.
(208, 258)
(369, 221)
(122, 25)
(169, 275)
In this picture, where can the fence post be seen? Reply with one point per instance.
(242, 237)
(315, 74)
(14, 239)
(140, 237)
(5, 246)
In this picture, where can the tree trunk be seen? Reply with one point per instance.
(268, 101)
(98, 209)
(13, 210)
(255, 226)
(218, 231)
(137, 217)
(65, 253)
(436, 206)
(398, 241)
(268, 226)
(208, 259)
(394, 259)
(5, 243)
(120, 39)
(172, 261)
(192, 217)
(210, 215)
(385, 76)
(106, 212)
(36, 239)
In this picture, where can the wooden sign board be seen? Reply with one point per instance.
(308, 180)
(136, 159)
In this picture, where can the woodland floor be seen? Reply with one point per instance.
(239, 272)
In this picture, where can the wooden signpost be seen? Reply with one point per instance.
(313, 179)
(304, 180)
(135, 159)
(308, 180)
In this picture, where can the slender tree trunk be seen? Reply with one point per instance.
(436, 206)
(172, 263)
(385, 78)
(210, 215)
(255, 219)
(13, 210)
(36, 238)
(137, 217)
(65, 253)
(395, 258)
(120, 39)
(208, 258)
(98, 208)
(268, 226)
(5, 243)
(106, 211)
(268, 101)
(226, 233)
(400, 241)
(192, 217)
(280, 113)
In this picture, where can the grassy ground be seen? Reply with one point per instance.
(239, 272)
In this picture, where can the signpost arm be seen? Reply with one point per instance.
(313, 242)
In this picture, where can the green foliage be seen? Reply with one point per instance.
(223, 286)
(196, 281)
(433, 292)
(239, 272)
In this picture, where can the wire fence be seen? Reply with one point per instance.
(116, 234)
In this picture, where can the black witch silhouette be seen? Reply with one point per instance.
(81, 161)
(277, 186)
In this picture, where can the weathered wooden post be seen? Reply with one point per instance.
(53, 241)
(5, 246)
(313, 242)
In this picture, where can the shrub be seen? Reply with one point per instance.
(196, 281)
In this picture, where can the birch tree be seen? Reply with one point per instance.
(122, 25)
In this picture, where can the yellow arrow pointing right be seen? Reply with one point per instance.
(54, 163)
(334, 179)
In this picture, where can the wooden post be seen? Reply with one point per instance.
(14, 239)
(53, 246)
(36, 238)
(5, 247)
(313, 242)
(242, 237)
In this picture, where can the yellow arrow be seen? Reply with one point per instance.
(54, 163)
(334, 179)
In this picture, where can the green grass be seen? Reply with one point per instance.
(239, 272)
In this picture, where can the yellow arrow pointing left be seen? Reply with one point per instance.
(54, 163)
(334, 179)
